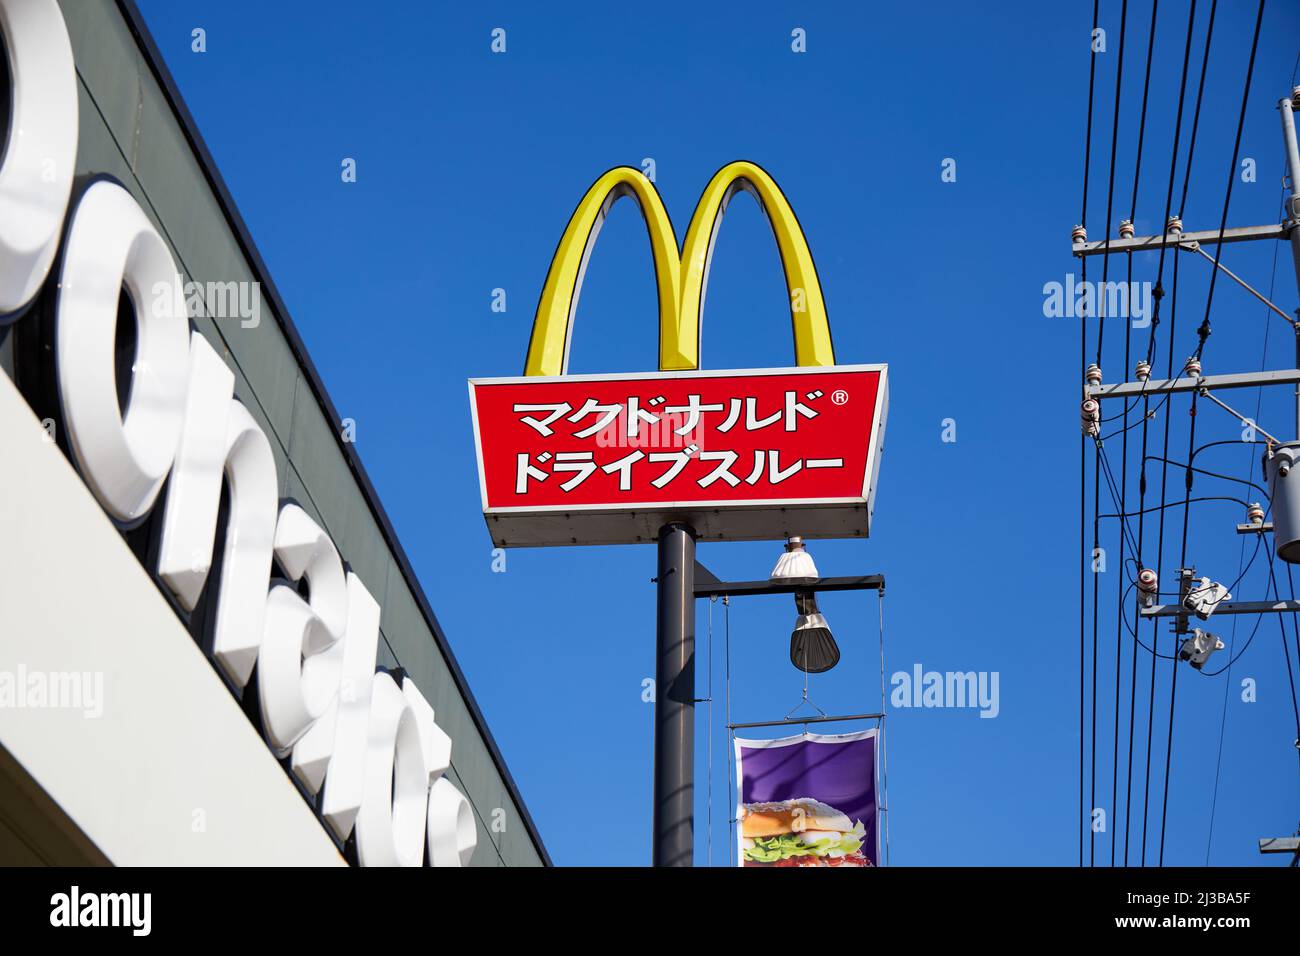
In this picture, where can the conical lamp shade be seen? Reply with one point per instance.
(795, 565)
(812, 648)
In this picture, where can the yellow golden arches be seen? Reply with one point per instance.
(681, 291)
(811, 328)
(548, 350)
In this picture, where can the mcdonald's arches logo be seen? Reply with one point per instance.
(740, 455)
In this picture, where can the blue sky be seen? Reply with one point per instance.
(469, 164)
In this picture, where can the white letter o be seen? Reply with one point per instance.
(36, 174)
(451, 833)
(123, 457)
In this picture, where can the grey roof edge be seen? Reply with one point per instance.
(152, 55)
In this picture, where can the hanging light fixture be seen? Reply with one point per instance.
(795, 566)
(812, 648)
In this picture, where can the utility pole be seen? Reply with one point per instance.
(1291, 221)
(1287, 108)
(674, 770)
(1174, 237)
(1192, 380)
(1207, 385)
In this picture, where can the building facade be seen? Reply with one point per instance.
(138, 724)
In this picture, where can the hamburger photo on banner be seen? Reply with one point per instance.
(802, 832)
(807, 800)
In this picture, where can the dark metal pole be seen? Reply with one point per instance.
(674, 793)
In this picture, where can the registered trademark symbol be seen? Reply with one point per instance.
(840, 397)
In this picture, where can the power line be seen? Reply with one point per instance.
(1295, 625)
(1232, 640)
(1155, 324)
(1212, 474)
(1100, 456)
(1123, 480)
(1128, 342)
(1295, 706)
(1176, 504)
(1173, 166)
(1083, 447)
(1223, 224)
(1196, 114)
(1110, 185)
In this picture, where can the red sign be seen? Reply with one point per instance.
(739, 455)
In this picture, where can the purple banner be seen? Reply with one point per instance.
(808, 800)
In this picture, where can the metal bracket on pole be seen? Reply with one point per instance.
(1177, 238)
(1230, 607)
(1153, 389)
(1281, 845)
(707, 585)
(1205, 393)
(1214, 261)
(1185, 578)
(1254, 528)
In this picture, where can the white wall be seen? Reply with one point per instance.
(171, 746)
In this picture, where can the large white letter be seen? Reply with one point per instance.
(194, 493)
(36, 175)
(345, 779)
(433, 739)
(296, 677)
(124, 458)
(450, 830)
(394, 808)
(246, 561)
(451, 833)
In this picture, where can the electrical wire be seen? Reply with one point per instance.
(1117, 500)
(1295, 704)
(1259, 618)
(1232, 640)
(1178, 504)
(1191, 151)
(1123, 482)
(1295, 627)
(1129, 406)
(1204, 332)
(1110, 184)
(1238, 442)
(1173, 167)
(1213, 474)
(1182, 563)
(1126, 428)
(1096, 553)
(1101, 464)
(1158, 294)
(1128, 340)
(1236, 152)
(1083, 446)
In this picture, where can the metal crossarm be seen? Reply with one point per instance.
(1154, 388)
(716, 588)
(1205, 237)
(1233, 607)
